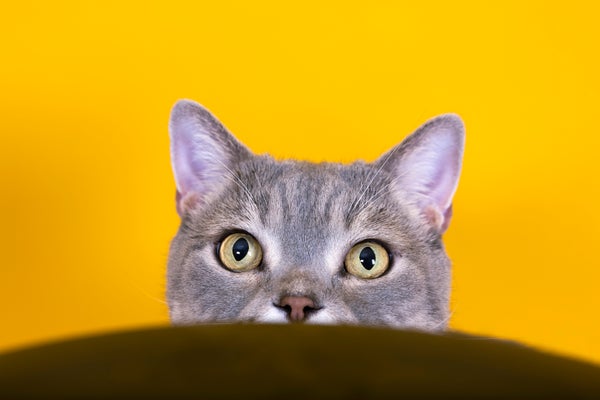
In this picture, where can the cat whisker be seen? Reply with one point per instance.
(376, 196)
(373, 176)
(235, 179)
(442, 323)
(146, 293)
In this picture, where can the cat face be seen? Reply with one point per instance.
(288, 241)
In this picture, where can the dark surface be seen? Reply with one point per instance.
(290, 361)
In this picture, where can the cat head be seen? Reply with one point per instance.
(262, 240)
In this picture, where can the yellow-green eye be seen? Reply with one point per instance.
(240, 252)
(367, 260)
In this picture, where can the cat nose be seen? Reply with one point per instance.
(297, 306)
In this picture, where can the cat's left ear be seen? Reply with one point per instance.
(426, 166)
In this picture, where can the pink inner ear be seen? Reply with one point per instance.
(436, 219)
(443, 168)
(430, 168)
(203, 153)
(182, 148)
(186, 203)
(447, 217)
(198, 160)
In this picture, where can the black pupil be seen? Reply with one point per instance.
(240, 249)
(367, 258)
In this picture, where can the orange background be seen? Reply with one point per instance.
(87, 205)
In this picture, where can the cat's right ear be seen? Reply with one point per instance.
(202, 153)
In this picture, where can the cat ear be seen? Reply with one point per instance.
(202, 152)
(427, 165)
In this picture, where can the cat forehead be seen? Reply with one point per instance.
(304, 174)
(316, 196)
(300, 189)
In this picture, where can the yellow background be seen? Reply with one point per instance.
(87, 209)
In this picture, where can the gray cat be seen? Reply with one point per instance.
(289, 241)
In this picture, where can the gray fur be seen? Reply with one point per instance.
(307, 217)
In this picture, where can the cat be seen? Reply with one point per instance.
(269, 241)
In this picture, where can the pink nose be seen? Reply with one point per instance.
(297, 306)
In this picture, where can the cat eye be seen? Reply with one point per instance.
(240, 252)
(367, 260)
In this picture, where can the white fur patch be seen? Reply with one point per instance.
(273, 315)
(321, 317)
